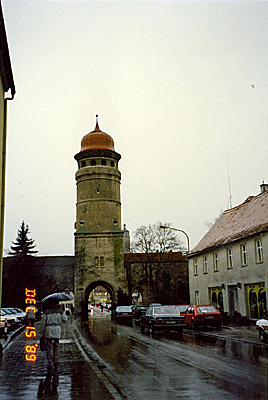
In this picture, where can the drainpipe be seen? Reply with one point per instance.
(2, 212)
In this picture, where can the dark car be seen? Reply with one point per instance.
(162, 318)
(123, 313)
(203, 315)
(138, 311)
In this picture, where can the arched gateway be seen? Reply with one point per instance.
(98, 236)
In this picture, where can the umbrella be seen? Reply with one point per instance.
(55, 297)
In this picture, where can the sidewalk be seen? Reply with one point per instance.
(79, 376)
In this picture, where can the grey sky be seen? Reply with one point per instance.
(180, 86)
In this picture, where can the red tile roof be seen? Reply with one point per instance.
(132, 258)
(248, 218)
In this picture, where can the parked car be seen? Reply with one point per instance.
(123, 313)
(162, 318)
(203, 315)
(182, 308)
(10, 318)
(138, 311)
(19, 314)
(262, 326)
(4, 325)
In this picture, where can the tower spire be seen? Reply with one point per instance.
(97, 128)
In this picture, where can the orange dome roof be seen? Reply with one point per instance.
(97, 140)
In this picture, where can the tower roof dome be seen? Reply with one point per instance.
(97, 140)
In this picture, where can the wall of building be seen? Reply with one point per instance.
(233, 282)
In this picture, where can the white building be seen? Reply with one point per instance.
(229, 266)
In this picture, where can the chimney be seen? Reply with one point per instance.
(264, 187)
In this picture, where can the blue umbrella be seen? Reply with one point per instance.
(56, 297)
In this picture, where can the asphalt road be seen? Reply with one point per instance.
(202, 365)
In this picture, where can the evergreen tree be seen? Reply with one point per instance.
(23, 245)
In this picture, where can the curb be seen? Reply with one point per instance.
(5, 343)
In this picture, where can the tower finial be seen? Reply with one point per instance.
(97, 123)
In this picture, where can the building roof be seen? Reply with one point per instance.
(97, 140)
(244, 220)
(5, 64)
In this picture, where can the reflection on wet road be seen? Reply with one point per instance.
(164, 367)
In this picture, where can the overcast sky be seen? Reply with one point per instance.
(180, 86)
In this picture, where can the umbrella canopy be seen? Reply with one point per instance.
(56, 297)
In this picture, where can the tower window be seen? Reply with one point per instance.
(96, 261)
(93, 162)
(102, 261)
(83, 164)
(103, 162)
(112, 163)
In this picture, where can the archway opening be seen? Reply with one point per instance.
(99, 293)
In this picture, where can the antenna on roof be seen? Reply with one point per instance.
(229, 183)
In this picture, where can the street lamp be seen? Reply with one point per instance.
(179, 230)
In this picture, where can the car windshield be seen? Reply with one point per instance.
(165, 310)
(181, 308)
(206, 309)
(8, 311)
(124, 308)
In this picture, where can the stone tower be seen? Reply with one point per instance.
(98, 235)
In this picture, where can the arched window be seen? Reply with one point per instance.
(253, 307)
(220, 301)
(214, 299)
(261, 302)
(93, 162)
(103, 162)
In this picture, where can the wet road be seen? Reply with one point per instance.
(199, 366)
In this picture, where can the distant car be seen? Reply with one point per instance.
(138, 311)
(162, 318)
(203, 315)
(262, 326)
(123, 313)
(182, 308)
(155, 304)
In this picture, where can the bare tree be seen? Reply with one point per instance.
(153, 245)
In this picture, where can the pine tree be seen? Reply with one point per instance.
(23, 245)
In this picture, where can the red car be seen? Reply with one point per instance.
(182, 308)
(203, 315)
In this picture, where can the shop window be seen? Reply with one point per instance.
(229, 258)
(253, 307)
(214, 299)
(258, 251)
(244, 255)
(262, 303)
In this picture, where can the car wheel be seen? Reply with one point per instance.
(262, 335)
(152, 329)
(180, 335)
(194, 325)
(218, 325)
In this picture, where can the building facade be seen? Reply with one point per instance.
(98, 236)
(229, 266)
(7, 92)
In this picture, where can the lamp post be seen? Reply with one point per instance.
(179, 230)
